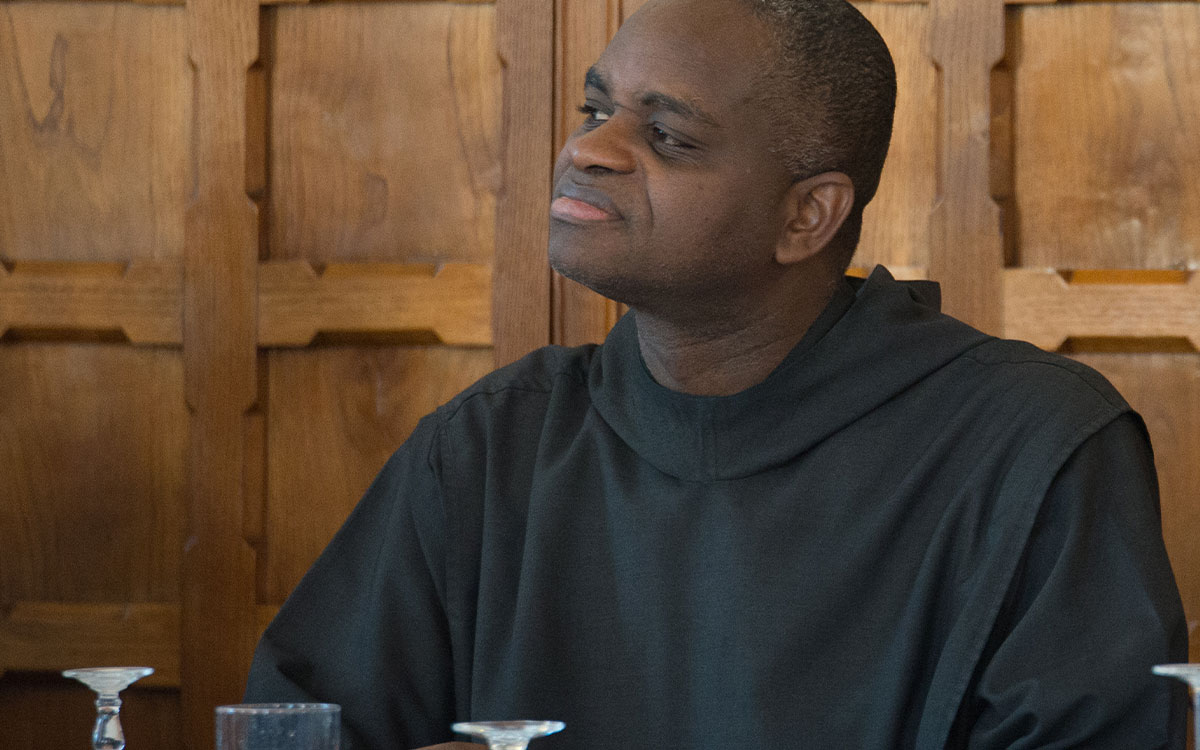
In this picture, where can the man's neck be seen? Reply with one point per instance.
(725, 354)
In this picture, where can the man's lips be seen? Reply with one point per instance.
(570, 208)
(580, 205)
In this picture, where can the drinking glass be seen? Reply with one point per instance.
(279, 726)
(507, 735)
(107, 683)
(1189, 673)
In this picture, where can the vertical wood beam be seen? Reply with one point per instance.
(582, 32)
(521, 286)
(967, 252)
(218, 626)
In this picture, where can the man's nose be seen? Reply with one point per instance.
(608, 147)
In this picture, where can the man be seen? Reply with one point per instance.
(777, 507)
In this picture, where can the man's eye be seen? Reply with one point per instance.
(594, 115)
(666, 139)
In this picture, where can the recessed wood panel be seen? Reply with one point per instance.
(149, 717)
(359, 405)
(1165, 390)
(896, 223)
(95, 102)
(384, 132)
(92, 442)
(1107, 144)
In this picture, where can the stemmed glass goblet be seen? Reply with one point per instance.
(507, 735)
(1189, 673)
(107, 683)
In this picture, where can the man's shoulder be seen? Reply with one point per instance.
(537, 375)
(1028, 372)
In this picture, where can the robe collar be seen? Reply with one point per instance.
(875, 338)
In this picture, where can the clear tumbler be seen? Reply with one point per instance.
(278, 726)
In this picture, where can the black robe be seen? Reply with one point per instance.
(910, 534)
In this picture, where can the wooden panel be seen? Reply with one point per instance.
(1165, 389)
(95, 104)
(92, 445)
(385, 132)
(361, 404)
(150, 717)
(1106, 135)
(896, 224)
(450, 304)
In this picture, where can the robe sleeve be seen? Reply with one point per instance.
(366, 627)
(1093, 607)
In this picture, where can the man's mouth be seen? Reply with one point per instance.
(582, 207)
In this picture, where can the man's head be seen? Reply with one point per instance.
(723, 147)
(832, 95)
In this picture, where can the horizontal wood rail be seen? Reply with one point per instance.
(1049, 307)
(297, 301)
(451, 304)
(1046, 307)
(142, 301)
(53, 636)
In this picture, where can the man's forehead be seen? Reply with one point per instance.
(703, 58)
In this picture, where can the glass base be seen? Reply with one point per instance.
(508, 735)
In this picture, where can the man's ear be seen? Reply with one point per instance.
(815, 210)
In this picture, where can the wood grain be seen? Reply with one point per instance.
(141, 300)
(1042, 307)
(584, 27)
(218, 627)
(95, 103)
(1107, 144)
(450, 304)
(896, 223)
(966, 253)
(53, 636)
(92, 455)
(521, 317)
(47, 636)
(382, 149)
(149, 716)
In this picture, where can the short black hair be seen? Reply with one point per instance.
(832, 93)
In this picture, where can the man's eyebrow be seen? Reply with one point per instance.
(681, 107)
(653, 99)
(596, 80)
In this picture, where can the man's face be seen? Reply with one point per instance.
(668, 195)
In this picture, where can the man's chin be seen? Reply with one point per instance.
(575, 266)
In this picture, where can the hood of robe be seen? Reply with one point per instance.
(875, 338)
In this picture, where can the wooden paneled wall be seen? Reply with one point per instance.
(245, 245)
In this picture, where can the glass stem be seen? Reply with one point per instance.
(108, 734)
